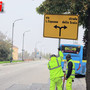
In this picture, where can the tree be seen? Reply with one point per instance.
(79, 7)
(4, 51)
(4, 47)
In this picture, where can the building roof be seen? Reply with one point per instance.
(15, 47)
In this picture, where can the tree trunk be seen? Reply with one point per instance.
(88, 55)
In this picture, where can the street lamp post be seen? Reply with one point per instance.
(23, 44)
(13, 37)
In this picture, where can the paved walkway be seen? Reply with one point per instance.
(79, 84)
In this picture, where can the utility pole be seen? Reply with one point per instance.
(23, 45)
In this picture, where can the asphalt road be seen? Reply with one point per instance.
(23, 73)
(27, 75)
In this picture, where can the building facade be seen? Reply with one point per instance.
(15, 53)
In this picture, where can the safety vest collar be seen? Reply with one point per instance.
(70, 60)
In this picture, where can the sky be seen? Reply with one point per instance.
(32, 21)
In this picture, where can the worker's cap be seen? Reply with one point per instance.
(68, 56)
(53, 55)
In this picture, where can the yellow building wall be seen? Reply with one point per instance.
(15, 53)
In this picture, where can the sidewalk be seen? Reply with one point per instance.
(79, 83)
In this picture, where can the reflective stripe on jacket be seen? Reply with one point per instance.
(54, 65)
(73, 69)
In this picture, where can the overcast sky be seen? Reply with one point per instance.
(26, 10)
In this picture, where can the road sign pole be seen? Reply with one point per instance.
(59, 45)
(59, 40)
(60, 32)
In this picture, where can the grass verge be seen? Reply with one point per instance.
(1, 62)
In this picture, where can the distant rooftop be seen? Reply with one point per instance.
(15, 47)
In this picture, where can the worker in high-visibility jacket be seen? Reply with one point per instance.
(70, 72)
(56, 72)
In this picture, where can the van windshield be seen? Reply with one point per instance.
(70, 49)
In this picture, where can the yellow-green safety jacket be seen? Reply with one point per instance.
(73, 69)
(54, 65)
(61, 55)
